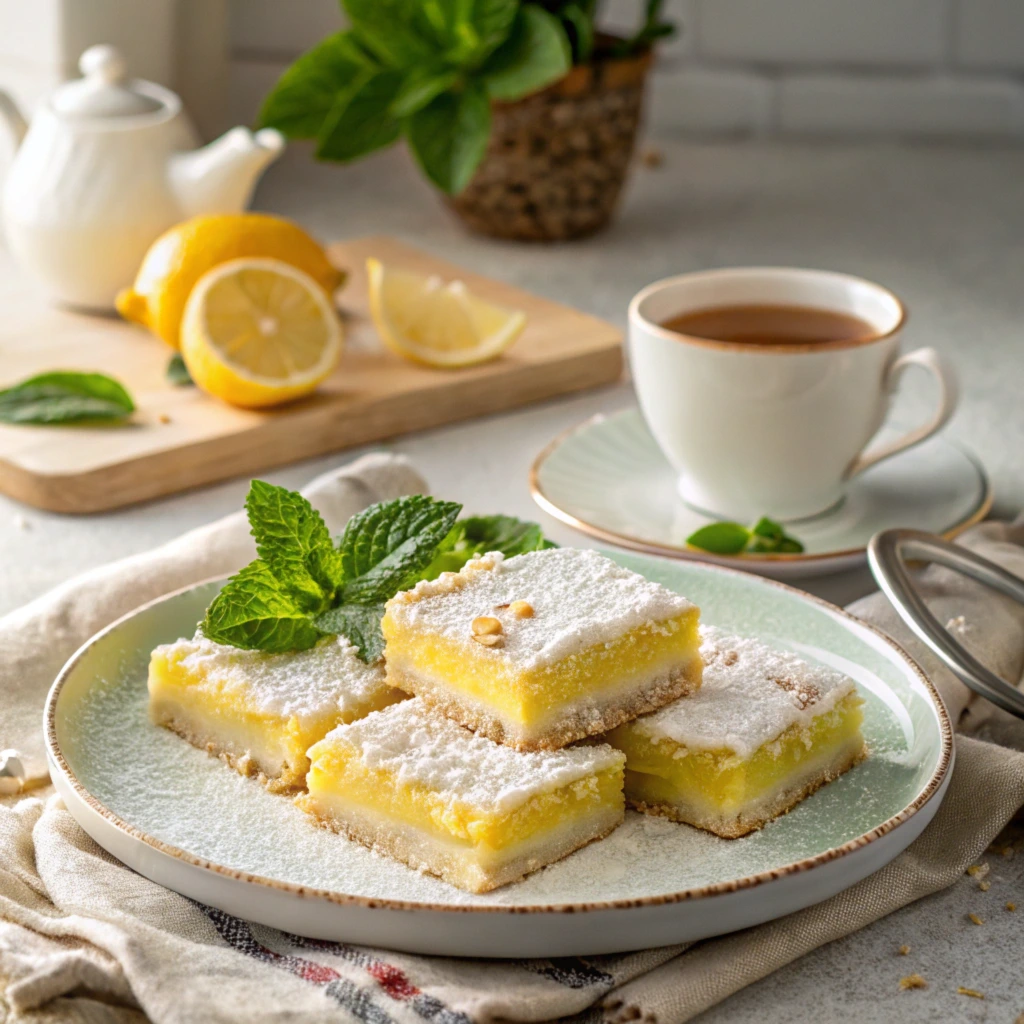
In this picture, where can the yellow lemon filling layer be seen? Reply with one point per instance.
(531, 695)
(659, 771)
(339, 776)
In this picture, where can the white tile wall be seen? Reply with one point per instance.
(816, 32)
(711, 102)
(932, 106)
(284, 27)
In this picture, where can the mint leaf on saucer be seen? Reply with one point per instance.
(724, 538)
(386, 547)
(177, 372)
(254, 612)
(359, 624)
(293, 542)
(65, 396)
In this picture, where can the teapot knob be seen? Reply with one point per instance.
(103, 63)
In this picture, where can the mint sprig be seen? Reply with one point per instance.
(725, 538)
(303, 586)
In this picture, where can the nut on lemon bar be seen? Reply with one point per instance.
(765, 730)
(261, 712)
(542, 649)
(413, 785)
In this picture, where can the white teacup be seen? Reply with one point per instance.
(773, 429)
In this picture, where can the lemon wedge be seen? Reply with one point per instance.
(258, 332)
(446, 325)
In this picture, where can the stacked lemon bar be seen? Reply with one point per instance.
(765, 730)
(510, 661)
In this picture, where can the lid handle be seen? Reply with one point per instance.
(104, 64)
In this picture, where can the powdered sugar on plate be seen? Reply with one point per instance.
(579, 599)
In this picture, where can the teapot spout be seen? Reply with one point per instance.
(220, 177)
(12, 116)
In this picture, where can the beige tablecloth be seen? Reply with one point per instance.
(83, 939)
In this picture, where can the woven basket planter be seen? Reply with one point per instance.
(556, 161)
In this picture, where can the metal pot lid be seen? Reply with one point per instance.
(104, 90)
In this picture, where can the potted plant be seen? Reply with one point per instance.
(522, 114)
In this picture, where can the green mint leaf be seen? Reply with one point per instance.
(253, 612)
(419, 88)
(476, 535)
(535, 54)
(720, 538)
(492, 21)
(360, 122)
(768, 528)
(360, 625)
(449, 136)
(790, 546)
(397, 32)
(177, 372)
(65, 396)
(768, 537)
(306, 94)
(386, 547)
(294, 545)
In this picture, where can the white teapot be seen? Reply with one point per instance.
(107, 165)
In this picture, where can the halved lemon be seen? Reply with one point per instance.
(259, 332)
(422, 318)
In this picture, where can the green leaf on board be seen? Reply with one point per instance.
(449, 136)
(253, 612)
(535, 55)
(65, 396)
(177, 372)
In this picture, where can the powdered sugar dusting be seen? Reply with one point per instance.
(751, 694)
(305, 683)
(579, 599)
(423, 747)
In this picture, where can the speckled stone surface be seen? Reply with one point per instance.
(941, 226)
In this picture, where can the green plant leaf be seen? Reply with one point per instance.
(360, 625)
(253, 612)
(492, 20)
(582, 25)
(385, 548)
(293, 543)
(362, 122)
(177, 372)
(449, 136)
(307, 93)
(419, 88)
(397, 32)
(65, 396)
(535, 54)
(720, 538)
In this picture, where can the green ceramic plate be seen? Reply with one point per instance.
(608, 478)
(185, 820)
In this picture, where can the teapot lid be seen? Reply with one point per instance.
(104, 90)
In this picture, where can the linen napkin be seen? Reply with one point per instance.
(83, 939)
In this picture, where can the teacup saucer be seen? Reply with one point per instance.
(608, 478)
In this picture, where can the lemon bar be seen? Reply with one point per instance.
(765, 730)
(542, 649)
(261, 712)
(417, 787)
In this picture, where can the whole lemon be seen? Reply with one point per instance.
(182, 254)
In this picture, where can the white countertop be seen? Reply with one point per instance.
(943, 227)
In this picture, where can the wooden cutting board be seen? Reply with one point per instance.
(180, 438)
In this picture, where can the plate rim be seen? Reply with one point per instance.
(933, 786)
(681, 553)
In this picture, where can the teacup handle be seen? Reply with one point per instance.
(940, 369)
